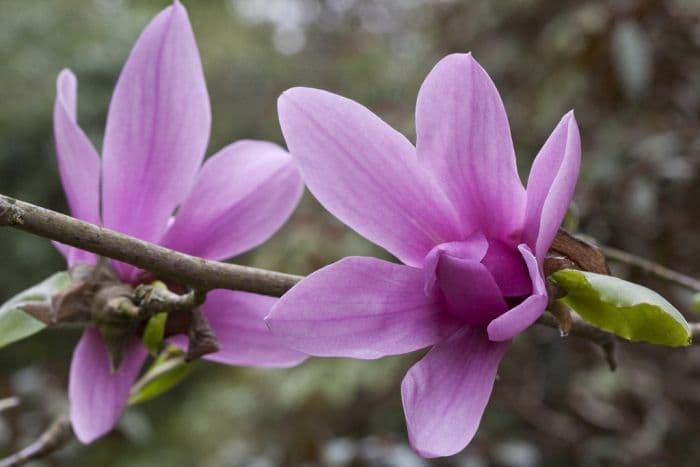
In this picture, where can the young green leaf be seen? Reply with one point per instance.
(168, 369)
(154, 332)
(15, 323)
(626, 309)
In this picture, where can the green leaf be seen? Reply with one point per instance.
(168, 369)
(154, 332)
(15, 324)
(623, 308)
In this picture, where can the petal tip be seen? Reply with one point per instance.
(464, 61)
(569, 117)
(461, 56)
(286, 103)
(177, 13)
(292, 95)
(65, 76)
(496, 332)
(67, 90)
(85, 435)
(573, 132)
(177, 6)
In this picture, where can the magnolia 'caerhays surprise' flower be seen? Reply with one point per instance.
(452, 209)
(156, 135)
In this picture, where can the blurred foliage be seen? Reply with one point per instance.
(630, 69)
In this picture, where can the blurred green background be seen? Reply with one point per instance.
(630, 69)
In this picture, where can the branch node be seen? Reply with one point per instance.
(157, 298)
(202, 340)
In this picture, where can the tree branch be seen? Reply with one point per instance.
(206, 275)
(202, 275)
(9, 403)
(619, 256)
(575, 326)
(53, 439)
(167, 264)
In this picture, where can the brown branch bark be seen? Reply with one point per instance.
(650, 267)
(163, 262)
(206, 275)
(57, 435)
(203, 275)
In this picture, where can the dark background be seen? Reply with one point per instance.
(630, 69)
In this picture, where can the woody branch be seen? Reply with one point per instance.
(203, 274)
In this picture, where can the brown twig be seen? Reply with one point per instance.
(54, 438)
(165, 263)
(650, 267)
(200, 273)
(9, 403)
(579, 328)
(203, 275)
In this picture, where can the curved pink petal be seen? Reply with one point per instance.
(98, 396)
(242, 195)
(76, 256)
(78, 162)
(522, 316)
(444, 395)
(65, 250)
(237, 319)
(551, 184)
(360, 308)
(463, 137)
(508, 269)
(365, 173)
(157, 128)
(470, 290)
(473, 247)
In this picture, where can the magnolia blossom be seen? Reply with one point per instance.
(150, 183)
(452, 209)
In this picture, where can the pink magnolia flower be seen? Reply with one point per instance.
(156, 135)
(452, 209)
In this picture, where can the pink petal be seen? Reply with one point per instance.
(473, 247)
(65, 250)
(365, 173)
(242, 195)
(360, 308)
(470, 290)
(157, 128)
(508, 269)
(522, 316)
(551, 184)
(463, 137)
(98, 396)
(444, 394)
(78, 163)
(76, 256)
(237, 319)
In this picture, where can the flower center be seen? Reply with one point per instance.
(478, 279)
